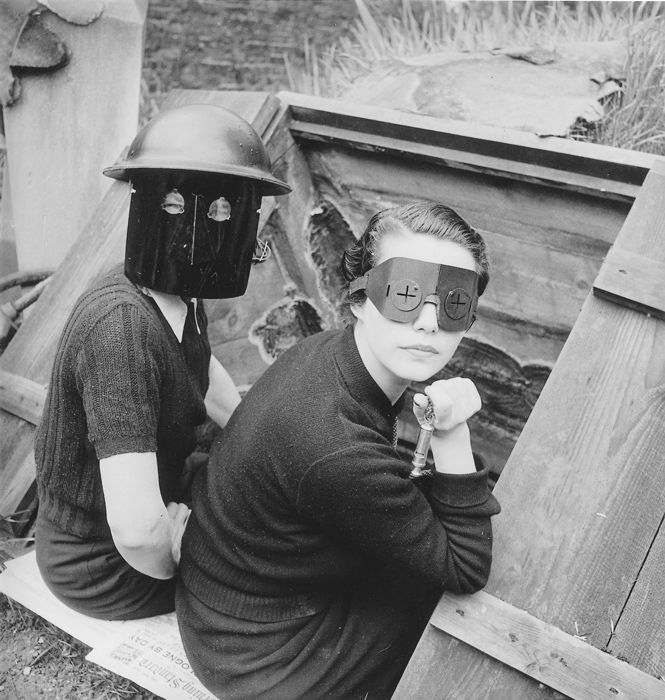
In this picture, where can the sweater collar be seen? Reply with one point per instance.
(173, 308)
(358, 380)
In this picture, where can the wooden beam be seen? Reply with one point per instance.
(633, 280)
(543, 652)
(487, 163)
(611, 169)
(70, 123)
(21, 397)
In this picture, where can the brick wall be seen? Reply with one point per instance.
(231, 44)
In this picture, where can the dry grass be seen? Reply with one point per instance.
(636, 120)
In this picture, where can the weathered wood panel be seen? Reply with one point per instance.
(67, 125)
(639, 633)
(582, 494)
(541, 651)
(635, 281)
(21, 397)
(99, 246)
(552, 161)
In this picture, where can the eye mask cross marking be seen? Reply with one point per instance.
(398, 287)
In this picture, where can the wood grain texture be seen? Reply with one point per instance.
(294, 212)
(481, 163)
(582, 493)
(99, 246)
(324, 117)
(543, 652)
(632, 280)
(68, 125)
(639, 633)
(21, 397)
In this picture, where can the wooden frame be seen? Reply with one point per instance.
(587, 461)
(586, 555)
(563, 662)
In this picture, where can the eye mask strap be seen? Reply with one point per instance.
(359, 284)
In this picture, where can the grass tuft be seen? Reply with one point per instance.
(385, 32)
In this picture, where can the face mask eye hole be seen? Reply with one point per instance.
(173, 202)
(219, 210)
(405, 295)
(457, 303)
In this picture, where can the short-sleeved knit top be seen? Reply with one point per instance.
(121, 382)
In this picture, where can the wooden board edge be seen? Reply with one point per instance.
(542, 651)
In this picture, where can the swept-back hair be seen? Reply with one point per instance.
(435, 220)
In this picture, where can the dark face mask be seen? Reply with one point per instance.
(192, 234)
(399, 287)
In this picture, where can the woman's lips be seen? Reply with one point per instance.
(422, 349)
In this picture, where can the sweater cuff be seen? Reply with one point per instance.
(460, 490)
(122, 445)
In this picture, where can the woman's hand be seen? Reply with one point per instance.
(454, 401)
(178, 517)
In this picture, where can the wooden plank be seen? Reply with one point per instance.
(30, 353)
(632, 280)
(616, 165)
(476, 162)
(21, 397)
(289, 239)
(67, 125)
(534, 210)
(8, 261)
(582, 493)
(639, 632)
(543, 652)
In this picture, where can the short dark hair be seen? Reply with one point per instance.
(435, 220)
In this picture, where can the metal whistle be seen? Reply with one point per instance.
(421, 450)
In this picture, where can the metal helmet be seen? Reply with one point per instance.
(201, 138)
(198, 174)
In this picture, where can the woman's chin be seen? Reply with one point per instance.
(420, 372)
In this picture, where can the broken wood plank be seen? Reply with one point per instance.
(560, 661)
(632, 280)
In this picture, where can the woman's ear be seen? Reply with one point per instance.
(356, 308)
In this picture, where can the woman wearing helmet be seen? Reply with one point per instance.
(133, 374)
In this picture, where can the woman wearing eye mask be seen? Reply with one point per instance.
(313, 559)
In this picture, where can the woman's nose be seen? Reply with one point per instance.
(427, 320)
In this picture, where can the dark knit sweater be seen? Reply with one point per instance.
(304, 494)
(120, 383)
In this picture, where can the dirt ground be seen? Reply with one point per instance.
(40, 661)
